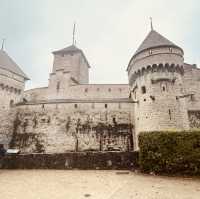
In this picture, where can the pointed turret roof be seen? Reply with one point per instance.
(153, 40)
(8, 64)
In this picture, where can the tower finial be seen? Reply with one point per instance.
(151, 20)
(74, 31)
(3, 42)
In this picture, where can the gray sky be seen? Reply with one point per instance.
(108, 31)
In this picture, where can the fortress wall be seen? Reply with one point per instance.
(7, 118)
(84, 91)
(57, 128)
(191, 81)
(36, 94)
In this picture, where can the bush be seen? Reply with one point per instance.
(170, 152)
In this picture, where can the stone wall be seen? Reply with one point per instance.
(7, 118)
(194, 119)
(61, 127)
(75, 160)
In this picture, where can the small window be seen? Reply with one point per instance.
(75, 105)
(170, 114)
(43, 106)
(98, 89)
(86, 90)
(150, 52)
(109, 90)
(163, 88)
(170, 50)
(11, 103)
(143, 89)
(58, 86)
(106, 105)
(114, 120)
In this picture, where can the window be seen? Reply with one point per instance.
(163, 88)
(62, 55)
(98, 89)
(143, 89)
(11, 103)
(120, 106)
(109, 90)
(58, 86)
(106, 105)
(75, 105)
(170, 114)
(86, 90)
(170, 50)
(114, 120)
(150, 52)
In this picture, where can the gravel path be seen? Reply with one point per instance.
(59, 184)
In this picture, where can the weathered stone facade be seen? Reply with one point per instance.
(73, 115)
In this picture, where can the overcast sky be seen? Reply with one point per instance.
(108, 31)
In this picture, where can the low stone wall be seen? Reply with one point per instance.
(80, 160)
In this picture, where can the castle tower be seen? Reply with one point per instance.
(70, 67)
(12, 82)
(155, 76)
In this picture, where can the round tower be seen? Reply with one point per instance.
(155, 76)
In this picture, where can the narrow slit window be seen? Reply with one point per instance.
(170, 114)
(143, 89)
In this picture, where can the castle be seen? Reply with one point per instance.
(72, 115)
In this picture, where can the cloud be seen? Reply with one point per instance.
(108, 32)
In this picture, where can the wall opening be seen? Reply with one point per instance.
(170, 114)
(11, 103)
(143, 88)
(75, 105)
(58, 86)
(106, 105)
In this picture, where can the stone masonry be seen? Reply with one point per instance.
(72, 115)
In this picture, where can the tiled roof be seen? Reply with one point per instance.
(69, 49)
(154, 39)
(8, 64)
(72, 49)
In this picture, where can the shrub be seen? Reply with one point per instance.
(170, 152)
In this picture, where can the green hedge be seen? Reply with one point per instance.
(170, 152)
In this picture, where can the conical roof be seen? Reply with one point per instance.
(153, 40)
(8, 64)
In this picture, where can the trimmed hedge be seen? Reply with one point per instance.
(170, 152)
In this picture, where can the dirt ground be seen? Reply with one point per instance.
(76, 184)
